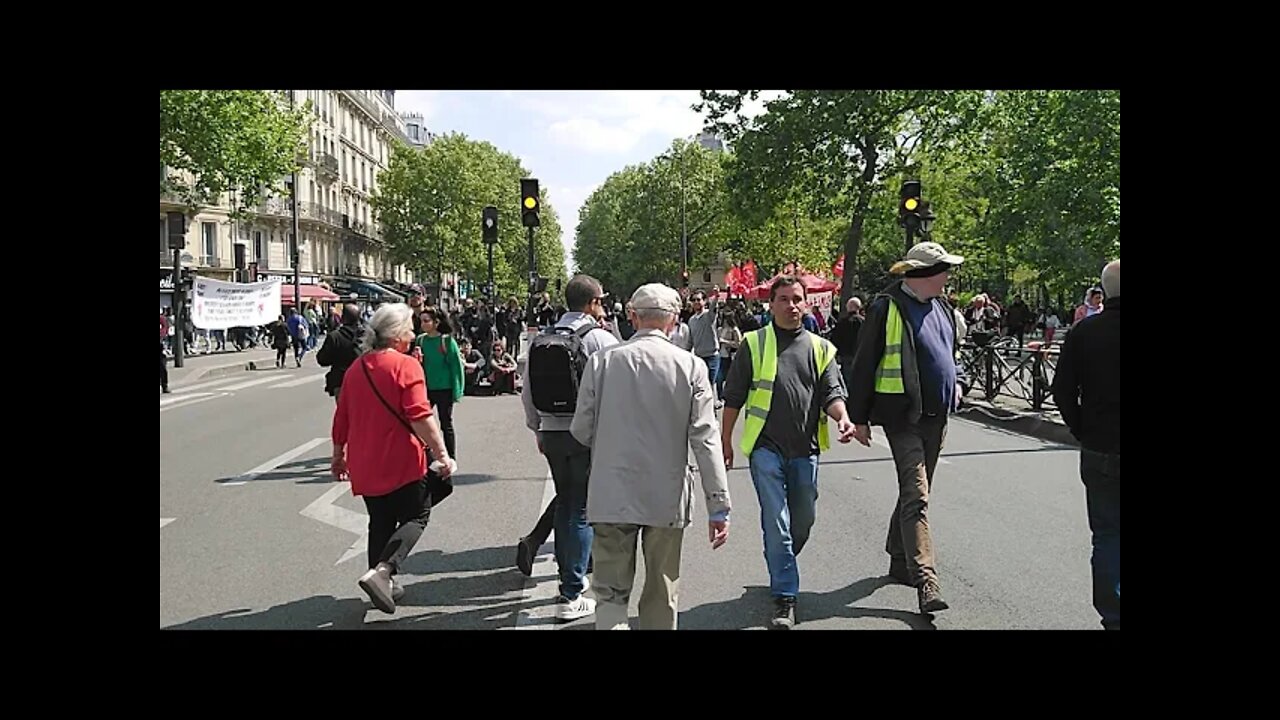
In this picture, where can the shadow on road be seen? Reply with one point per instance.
(755, 608)
(320, 612)
(974, 453)
(492, 592)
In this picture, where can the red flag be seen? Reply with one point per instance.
(733, 276)
(838, 268)
(749, 273)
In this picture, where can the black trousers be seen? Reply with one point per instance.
(396, 523)
(442, 406)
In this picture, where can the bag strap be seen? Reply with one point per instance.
(387, 405)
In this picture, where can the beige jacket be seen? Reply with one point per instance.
(643, 406)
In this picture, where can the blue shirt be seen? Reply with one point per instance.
(935, 355)
(293, 322)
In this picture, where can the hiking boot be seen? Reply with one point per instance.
(930, 596)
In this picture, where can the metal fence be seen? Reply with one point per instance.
(1001, 368)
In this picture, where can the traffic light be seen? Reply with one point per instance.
(177, 226)
(909, 204)
(529, 203)
(684, 278)
(490, 224)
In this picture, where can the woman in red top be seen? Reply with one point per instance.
(382, 458)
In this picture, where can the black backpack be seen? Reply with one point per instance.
(556, 361)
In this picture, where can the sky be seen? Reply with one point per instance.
(571, 141)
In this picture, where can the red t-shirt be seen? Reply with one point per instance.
(382, 455)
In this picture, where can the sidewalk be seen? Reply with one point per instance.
(1016, 415)
(204, 367)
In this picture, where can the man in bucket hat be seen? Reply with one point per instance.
(906, 379)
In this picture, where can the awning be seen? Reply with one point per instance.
(307, 292)
(376, 292)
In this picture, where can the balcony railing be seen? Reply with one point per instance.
(313, 211)
(211, 261)
(327, 164)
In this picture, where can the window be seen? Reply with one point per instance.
(344, 164)
(259, 249)
(164, 235)
(209, 233)
(312, 196)
(293, 251)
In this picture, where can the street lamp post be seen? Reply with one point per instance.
(293, 206)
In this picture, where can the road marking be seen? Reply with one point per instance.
(171, 400)
(192, 401)
(250, 383)
(276, 462)
(354, 522)
(299, 381)
(539, 592)
(204, 385)
(166, 521)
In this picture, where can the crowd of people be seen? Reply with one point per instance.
(792, 378)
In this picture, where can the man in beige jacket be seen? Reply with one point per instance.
(642, 407)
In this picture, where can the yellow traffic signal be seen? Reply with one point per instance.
(530, 203)
(912, 203)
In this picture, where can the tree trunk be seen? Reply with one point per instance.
(853, 239)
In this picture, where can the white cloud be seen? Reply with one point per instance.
(616, 121)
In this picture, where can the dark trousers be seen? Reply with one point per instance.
(280, 353)
(396, 522)
(442, 406)
(570, 463)
(1101, 475)
(545, 525)
(915, 453)
(164, 368)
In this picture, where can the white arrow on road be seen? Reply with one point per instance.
(166, 521)
(357, 523)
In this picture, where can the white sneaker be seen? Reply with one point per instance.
(580, 608)
(586, 584)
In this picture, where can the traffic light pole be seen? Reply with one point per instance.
(532, 274)
(178, 292)
(297, 241)
(490, 293)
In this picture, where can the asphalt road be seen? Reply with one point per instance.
(255, 534)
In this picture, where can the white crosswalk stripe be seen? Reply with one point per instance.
(299, 381)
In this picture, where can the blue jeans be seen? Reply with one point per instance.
(713, 368)
(1101, 475)
(570, 463)
(788, 494)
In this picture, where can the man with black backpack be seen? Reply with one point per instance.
(341, 348)
(554, 368)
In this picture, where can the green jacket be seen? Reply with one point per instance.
(442, 363)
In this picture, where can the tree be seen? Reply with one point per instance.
(430, 202)
(225, 140)
(828, 150)
(629, 230)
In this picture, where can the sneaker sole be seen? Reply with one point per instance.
(780, 626)
(380, 601)
(574, 616)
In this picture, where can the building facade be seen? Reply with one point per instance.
(339, 242)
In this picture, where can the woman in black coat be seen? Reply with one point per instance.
(280, 340)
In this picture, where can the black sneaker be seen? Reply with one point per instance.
(525, 551)
(930, 596)
(784, 614)
(898, 571)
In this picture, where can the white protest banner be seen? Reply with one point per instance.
(821, 300)
(221, 305)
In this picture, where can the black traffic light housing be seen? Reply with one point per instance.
(530, 204)
(177, 226)
(489, 224)
(909, 205)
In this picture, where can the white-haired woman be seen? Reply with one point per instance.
(380, 427)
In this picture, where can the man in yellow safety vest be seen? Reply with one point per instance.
(787, 380)
(905, 378)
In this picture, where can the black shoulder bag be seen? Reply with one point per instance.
(437, 487)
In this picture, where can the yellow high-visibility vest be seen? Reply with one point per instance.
(763, 345)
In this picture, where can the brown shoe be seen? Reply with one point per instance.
(930, 596)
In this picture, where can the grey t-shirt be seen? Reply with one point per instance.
(702, 328)
(799, 395)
